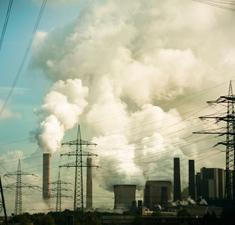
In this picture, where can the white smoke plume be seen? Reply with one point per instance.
(136, 57)
(60, 112)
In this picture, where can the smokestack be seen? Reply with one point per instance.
(46, 176)
(124, 195)
(191, 179)
(89, 184)
(177, 182)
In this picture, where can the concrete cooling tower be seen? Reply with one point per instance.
(124, 196)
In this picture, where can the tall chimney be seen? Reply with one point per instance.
(177, 182)
(191, 179)
(46, 176)
(89, 184)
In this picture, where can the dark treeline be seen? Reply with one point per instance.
(67, 217)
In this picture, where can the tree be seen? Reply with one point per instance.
(23, 219)
(183, 213)
(47, 220)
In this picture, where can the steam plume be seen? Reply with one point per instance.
(135, 56)
(61, 110)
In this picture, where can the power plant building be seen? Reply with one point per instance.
(198, 186)
(124, 196)
(212, 183)
(156, 193)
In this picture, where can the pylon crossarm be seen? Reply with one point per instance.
(93, 166)
(231, 99)
(223, 99)
(29, 174)
(73, 165)
(89, 154)
(218, 100)
(221, 143)
(10, 186)
(62, 196)
(79, 142)
(10, 174)
(208, 132)
(62, 189)
(30, 186)
(66, 196)
(68, 153)
(77, 154)
(61, 182)
(68, 165)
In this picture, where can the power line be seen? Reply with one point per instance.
(228, 5)
(191, 113)
(5, 23)
(2, 202)
(25, 56)
(78, 166)
(18, 186)
(59, 195)
(229, 119)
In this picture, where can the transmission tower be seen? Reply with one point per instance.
(229, 133)
(78, 200)
(59, 195)
(18, 186)
(2, 202)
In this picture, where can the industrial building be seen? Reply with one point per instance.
(177, 180)
(210, 183)
(198, 185)
(46, 176)
(157, 192)
(124, 196)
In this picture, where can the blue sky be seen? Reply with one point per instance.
(32, 85)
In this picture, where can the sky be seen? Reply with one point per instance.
(136, 75)
(32, 84)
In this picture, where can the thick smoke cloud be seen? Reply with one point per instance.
(134, 57)
(61, 110)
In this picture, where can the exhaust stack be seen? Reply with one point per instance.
(191, 185)
(89, 184)
(177, 180)
(46, 176)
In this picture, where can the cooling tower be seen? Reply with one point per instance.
(124, 196)
(46, 176)
(89, 184)
(177, 181)
(191, 179)
(157, 192)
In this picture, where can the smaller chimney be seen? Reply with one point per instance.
(191, 178)
(177, 181)
(89, 184)
(46, 176)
